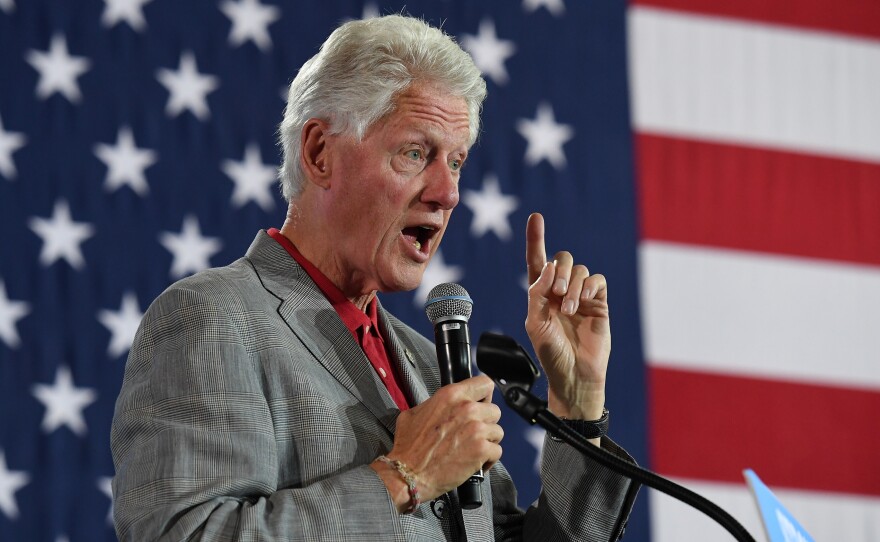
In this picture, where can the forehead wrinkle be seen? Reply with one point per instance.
(434, 121)
(421, 105)
(441, 124)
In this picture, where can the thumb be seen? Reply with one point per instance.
(542, 287)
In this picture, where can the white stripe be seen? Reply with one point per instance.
(825, 516)
(755, 84)
(767, 316)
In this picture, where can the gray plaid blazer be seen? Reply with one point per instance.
(249, 413)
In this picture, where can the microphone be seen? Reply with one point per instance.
(449, 307)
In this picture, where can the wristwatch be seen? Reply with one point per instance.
(588, 428)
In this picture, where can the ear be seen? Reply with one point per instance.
(315, 149)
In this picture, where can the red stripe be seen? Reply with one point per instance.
(859, 17)
(711, 427)
(759, 200)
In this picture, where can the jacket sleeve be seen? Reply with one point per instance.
(194, 444)
(579, 499)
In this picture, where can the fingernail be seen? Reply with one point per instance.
(561, 286)
(568, 307)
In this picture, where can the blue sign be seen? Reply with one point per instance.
(779, 524)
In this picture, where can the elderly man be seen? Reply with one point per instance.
(274, 399)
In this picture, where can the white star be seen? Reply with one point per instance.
(61, 236)
(130, 11)
(10, 482)
(436, 273)
(191, 251)
(64, 402)
(58, 70)
(545, 137)
(7, 5)
(10, 313)
(250, 21)
(252, 178)
(491, 208)
(105, 484)
(189, 89)
(123, 324)
(535, 437)
(9, 143)
(555, 7)
(488, 52)
(125, 163)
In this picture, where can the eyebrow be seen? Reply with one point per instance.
(427, 136)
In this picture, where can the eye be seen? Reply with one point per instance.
(455, 164)
(414, 154)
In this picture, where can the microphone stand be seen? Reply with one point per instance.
(513, 370)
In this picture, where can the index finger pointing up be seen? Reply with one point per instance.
(536, 254)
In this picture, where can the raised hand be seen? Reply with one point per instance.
(568, 325)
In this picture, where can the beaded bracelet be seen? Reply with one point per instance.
(410, 480)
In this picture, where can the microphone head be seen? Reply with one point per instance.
(448, 301)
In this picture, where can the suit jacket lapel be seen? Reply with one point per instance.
(409, 360)
(317, 325)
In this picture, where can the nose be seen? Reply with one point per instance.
(441, 186)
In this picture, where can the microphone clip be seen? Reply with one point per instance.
(513, 370)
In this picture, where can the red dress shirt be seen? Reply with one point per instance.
(363, 326)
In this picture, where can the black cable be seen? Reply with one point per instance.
(510, 366)
(556, 427)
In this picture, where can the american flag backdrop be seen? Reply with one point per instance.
(718, 161)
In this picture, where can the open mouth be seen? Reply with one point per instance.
(420, 236)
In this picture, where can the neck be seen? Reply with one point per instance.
(296, 230)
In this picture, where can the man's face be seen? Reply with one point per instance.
(394, 191)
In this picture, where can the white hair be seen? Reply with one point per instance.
(358, 73)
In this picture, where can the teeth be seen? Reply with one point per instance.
(418, 245)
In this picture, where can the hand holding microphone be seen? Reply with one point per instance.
(449, 438)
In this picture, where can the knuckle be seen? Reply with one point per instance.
(469, 409)
(563, 255)
(473, 430)
(495, 433)
(485, 380)
(485, 451)
(450, 392)
(492, 451)
(473, 427)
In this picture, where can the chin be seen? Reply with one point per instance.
(404, 286)
(403, 282)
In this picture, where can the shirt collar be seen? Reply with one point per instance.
(351, 316)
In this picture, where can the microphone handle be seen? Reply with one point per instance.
(453, 343)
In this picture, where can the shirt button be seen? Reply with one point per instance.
(382, 372)
(438, 506)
